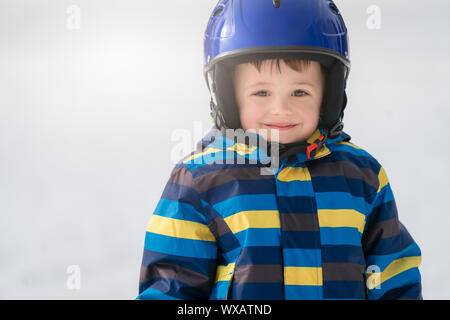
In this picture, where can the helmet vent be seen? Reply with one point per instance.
(276, 3)
(333, 8)
(217, 12)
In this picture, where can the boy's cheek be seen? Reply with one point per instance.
(248, 120)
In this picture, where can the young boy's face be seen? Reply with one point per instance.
(288, 101)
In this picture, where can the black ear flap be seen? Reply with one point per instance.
(335, 98)
(225, 96)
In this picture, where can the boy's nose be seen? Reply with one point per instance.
(280, 106)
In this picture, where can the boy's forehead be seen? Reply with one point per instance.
(249, 71)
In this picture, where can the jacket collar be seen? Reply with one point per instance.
(214, 141)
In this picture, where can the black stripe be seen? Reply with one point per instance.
(216, 178)
(171, 271)
(258, 273)
(342, 271)
(346, 169)
(380, 230)
(298, 222)
(182, 176)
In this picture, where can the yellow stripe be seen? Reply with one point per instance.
(224, 273)
(382, 178)
(342, 218)
(348, 144)
(314, 136)
(303, 276)
(253, 219)
(241, 148)
(179, 228)
(294, 174)
(322, 153)
(200, 154)
(396, 267)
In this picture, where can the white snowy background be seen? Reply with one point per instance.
(87, 115)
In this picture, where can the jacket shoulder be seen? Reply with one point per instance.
(355, 162)
(349, 151)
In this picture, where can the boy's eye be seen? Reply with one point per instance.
(261, 93)
(297, 93)
(301, 93)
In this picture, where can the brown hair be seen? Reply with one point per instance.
(296, 64)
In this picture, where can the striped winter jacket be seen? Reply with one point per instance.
(323, 228)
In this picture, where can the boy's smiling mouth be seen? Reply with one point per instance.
(281, 125)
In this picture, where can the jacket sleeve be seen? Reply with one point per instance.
(180, 252)
(392, 256)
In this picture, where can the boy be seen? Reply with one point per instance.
(323, 224)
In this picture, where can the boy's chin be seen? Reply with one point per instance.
(284, 137)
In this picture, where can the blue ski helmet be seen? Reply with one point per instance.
(241, 31)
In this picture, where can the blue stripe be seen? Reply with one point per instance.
(340, 235)
(223, 157)
(219, 290)
(358, 157)
(209, 158)
(180, 193)
(238, 187)
(385, 195)
(260, 255)
(410, 291)
(257, 291)
(382, 261)
(259, 237)
(302, 257)
(296, 204)
(228, 242)
(215, 158)
(339, 200)
(301, 239)
(355, 187)
(178, 210)
(176, 246)
(409, 276)
(222, 142)
(342, 253)
(246, 202)
(384, 212)
(344, 290)
(390, 245)
(294, 292)
(295, 188)
(155, 294)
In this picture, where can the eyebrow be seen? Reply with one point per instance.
(266, 83)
